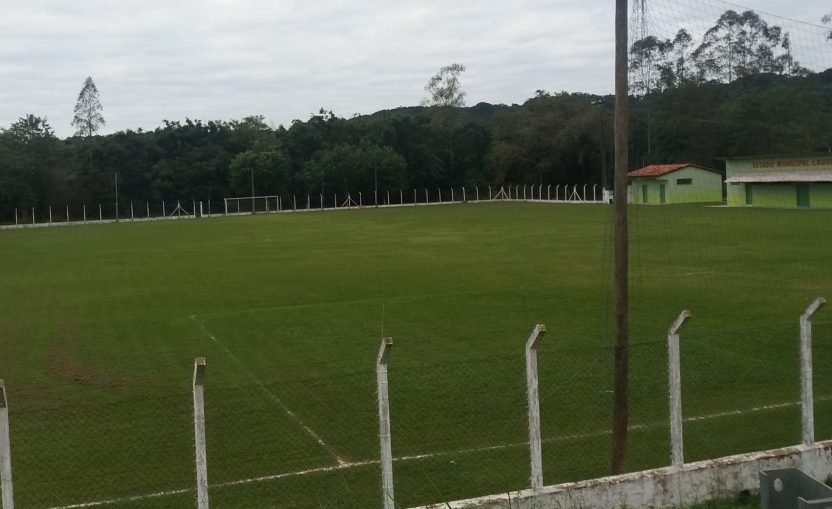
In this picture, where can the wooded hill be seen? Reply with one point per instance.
(550, 139)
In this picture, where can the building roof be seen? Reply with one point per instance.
(773, 156)
(782, 176)
(657, 170)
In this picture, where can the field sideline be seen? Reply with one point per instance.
(100, 325)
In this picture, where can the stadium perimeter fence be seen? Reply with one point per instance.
(460, 426)
(140, 211)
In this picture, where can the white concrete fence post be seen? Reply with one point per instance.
(199, 433)
(807, 405)
(50, 215)
(5, 452)
(132, 218)
(427, 199)
(15, 216)
(100, 214)
(84, 211)
(384, 435)
(452, 194)
(147, 208)
(532, 389)
(360, 199)
(67, 214)
(675, 389)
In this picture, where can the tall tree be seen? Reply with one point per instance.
(88, 118)
(445, 87)
(738, 45)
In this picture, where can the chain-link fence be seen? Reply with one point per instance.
(460, 424)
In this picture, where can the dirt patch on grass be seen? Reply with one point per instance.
(63, 365)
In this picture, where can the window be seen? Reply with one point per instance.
(684, 182)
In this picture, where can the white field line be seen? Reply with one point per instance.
(416, 457)
(271, 396)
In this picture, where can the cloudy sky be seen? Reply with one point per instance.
(224, 59)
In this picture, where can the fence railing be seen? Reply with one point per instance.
(430, 409)
(139, 211)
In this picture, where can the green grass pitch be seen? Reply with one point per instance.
(99, 326)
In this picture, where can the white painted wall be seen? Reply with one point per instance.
(662, 487)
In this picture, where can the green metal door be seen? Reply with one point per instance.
(803, 196)
(644, 194)
(661, 193)
(749, 198)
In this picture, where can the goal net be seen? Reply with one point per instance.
(252, 204)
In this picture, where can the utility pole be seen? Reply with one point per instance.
(116, 174)
(620, 412)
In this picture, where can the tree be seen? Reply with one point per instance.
(649, 64)
(28, 171)
(738, 45)
(445, 88)
(269, 169)
(88, 118)
(353, 168)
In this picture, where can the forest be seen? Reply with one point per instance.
(735, 91)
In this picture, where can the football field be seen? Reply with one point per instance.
(100, 325)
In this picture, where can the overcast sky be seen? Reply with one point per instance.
(285, 59)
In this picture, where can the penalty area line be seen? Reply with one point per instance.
(272, 396)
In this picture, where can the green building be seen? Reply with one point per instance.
(675, 183)
(801, 181)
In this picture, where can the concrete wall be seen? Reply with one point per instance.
(705, 187)
(820, 195)
(662, 487)
(774, 195)
(780, 195)
(653, 190)
(735, 195)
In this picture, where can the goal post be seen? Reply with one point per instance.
(251, 204)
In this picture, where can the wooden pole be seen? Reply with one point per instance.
(620, 412)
